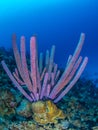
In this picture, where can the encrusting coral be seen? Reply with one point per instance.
(44, 82)
(46, 112)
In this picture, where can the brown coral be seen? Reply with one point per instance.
(7, 103)
(46, 112)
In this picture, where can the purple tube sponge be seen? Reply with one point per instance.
(43, 79)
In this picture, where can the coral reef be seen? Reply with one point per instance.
(80, 106)
(42, 82)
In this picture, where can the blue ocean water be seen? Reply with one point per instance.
(58, 22)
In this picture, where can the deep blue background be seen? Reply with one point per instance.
(58, 22)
